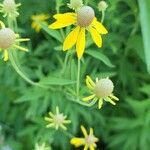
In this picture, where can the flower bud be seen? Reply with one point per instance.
(103, 88)
(102, 6)
(85, 16)
(75, 4)
(7, 38)
(9, 6)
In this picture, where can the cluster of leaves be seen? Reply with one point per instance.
(125, 126)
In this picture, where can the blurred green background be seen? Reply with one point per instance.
(125, 57)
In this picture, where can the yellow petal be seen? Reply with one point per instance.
(71, 39)
(92, 147)
(84, 131)
(6, 57)
(99, 27)
(89, 82)
(100, 103)
(114, 97)
(110, 100)
(91, 131)
(86, 147)
(21, 48)
(77, 141)
(63, 20)
(88, 98)
(96, 37)
(65, 16)
(80, 46)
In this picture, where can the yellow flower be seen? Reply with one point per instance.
(101, 91)
(57, 120)
(9, 40)
(37, 19)
(9, 8)
(88, 141)
(84, 19)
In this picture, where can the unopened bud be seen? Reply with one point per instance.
(75, 4)
(102, 6)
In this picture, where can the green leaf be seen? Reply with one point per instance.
(53, 33)
(101, 57)
(144, 6)
(56, 81)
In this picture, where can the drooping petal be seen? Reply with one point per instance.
(96, 37)
(99, 27)
(71, 39)
(77, 141)
(100, 103)
(84, 131)
(63, 20)
(80, 46)
(107, 99)
(114, 97)
(92, 147)
(86, 147)
(21, 48)
(6, 57)
(88, 98)
(89, 82)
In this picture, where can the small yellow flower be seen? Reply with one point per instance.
(9, 8)
(37, 19)
(102, 91)
(84, 19)
(88, 141)
(41, 147)
(57, 120)
(9, 40)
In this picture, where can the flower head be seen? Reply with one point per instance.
(37, 20)
(102, 6)
(57, 120)
(41, 147)
(83, 20)
(88, 141)
(9, 40)
(101, 91)
(9, 8)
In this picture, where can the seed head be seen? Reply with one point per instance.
(7, 38)
(85, 16)
(103, 88)
(102, 6)
(9, 6)
(59, 119)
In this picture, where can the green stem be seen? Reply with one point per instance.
(18, 70)
(78, 78)
(103, 16)
(65, 62)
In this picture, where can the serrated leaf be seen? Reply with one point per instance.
(101, 57)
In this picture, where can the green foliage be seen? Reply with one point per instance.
(23, 106)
